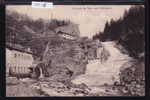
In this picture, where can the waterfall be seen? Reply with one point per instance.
(98, 73)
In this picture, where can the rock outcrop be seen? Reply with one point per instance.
(132, 78)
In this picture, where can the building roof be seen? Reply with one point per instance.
(18, 47)
(71, 29)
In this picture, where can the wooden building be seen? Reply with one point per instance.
(70, 31)
(92, 48)
(18, 59)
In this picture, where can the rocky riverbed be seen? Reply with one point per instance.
(45, 87)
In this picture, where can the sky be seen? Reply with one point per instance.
(90, 18)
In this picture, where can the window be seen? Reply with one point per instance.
(15, 55)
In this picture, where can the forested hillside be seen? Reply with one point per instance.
(128, 31)
(23, 30)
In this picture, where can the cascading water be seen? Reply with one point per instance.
(98, 73)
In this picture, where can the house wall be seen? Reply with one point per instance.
(18, 61)
(98, 52)
(67, 36)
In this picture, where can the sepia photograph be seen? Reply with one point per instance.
(75, 50)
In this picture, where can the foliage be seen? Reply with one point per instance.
(127, 31)
(30, 36)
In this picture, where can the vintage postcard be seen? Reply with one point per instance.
(75, 50)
